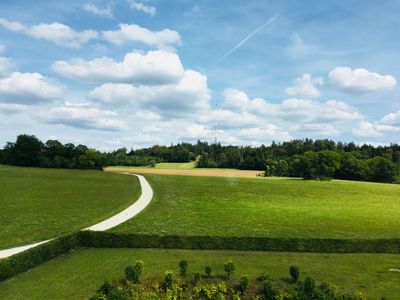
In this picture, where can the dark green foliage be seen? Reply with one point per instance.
(183, 266)
(169, 280)
(196, 278)
(243, 284)
(134, 272)
(294, 273)
(309, 288)
(171, 289)
(208, 271)
(113, 240)
(26, 260)
(229, 268)
(310, 159)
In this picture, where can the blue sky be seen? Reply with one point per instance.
(135, 73)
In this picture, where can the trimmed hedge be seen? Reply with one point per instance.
(112, 240)
(31, 258)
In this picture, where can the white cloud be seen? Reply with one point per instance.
(392, 119)
(360, 80)
(10, 108)
(294, 109)
(154, 67)
(102, 12)
(151, 10)
(366, 129)
(188, 96)
(87, 117)
(5, 66)
(29, 88)
(390, 123)
(164, 39)
(305, 86)
(113, 93)
(58, 33)
(266, 132)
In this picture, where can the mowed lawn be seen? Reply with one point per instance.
(39, 204)
(79, 274)
(294, 208)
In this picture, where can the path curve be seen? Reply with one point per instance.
(126, 214)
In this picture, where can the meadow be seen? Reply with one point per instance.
(38, 204)
(78, 274)
(229, 206)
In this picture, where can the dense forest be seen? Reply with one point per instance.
(322, 159)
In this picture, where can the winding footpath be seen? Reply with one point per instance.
(126, 214)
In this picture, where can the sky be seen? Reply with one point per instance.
(112, 74)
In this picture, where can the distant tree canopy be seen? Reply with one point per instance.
(319, 159)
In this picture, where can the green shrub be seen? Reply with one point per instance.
(294, 273)
(243, 284)
(319, 245)
(169, 280)
(183, 266)
(309, 287)
(134, 272)
(31, 258)
(208, 271)
(229, 268)
(196, 278)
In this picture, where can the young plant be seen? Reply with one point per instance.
(183, 266)
(134, 272)
(208, 271)
(229, 268)
(294, 273)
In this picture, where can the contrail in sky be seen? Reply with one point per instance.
(247, 38)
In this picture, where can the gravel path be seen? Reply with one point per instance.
(126, 214)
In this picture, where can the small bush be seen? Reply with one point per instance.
(183, 266)
(243, 284)
(134, 272)
(229, 268)
(309, 287)
(294, 273)
(169, 279)
(208, 271)
(196, 278)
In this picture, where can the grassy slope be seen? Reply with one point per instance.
(79, 274)
(38, 204)
(263, 207)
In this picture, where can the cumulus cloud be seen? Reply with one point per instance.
(366, 129)
(84, 116)
(29, 88)
(102, 12)
(266, 132)
(293, 109)
(58, 33)
(305, 86)
(360, 80)
(153, 68)
(139, 6)
(188, 96)
(164, 39)
(388, 124)
(11, 108)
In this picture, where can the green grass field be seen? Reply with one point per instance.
(263, 207)
(79, 274)
(39, 204)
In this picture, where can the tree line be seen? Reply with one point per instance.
(319, 159)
